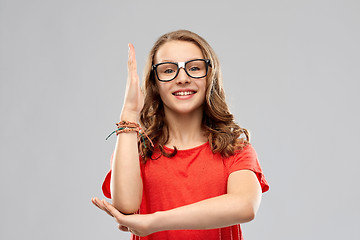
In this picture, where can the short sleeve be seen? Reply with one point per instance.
(247, 159)
(106, 183)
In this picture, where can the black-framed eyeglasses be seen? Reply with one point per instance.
(167, 71)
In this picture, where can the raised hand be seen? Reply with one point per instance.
(134, 98)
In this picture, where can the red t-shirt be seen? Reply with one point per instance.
(190, 176)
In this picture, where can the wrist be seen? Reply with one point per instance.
(156, 222)
(129, 116)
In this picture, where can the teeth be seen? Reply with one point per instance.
(183, 93)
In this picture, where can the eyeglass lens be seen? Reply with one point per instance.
(195, 69)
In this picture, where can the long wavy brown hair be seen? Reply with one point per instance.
(218, 123)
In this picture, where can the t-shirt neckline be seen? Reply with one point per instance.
(188, 149)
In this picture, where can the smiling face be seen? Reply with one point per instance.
(183, 95)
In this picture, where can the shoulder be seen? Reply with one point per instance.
(243, 158)
(247, 150)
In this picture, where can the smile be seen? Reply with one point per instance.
(184, 93)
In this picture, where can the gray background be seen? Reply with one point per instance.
(291, 73)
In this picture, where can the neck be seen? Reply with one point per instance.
(185, 129)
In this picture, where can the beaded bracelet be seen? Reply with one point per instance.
(126, 126)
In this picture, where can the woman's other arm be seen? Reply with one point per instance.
(239, 205)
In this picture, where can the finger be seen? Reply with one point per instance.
(94, 202)
(131, 56)
(132, 67)
(113, 211)
(100, 205)
(97, 203)
(123, 228)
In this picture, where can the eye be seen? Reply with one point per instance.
(193, 69)
(169, 70)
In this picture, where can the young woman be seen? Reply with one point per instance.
(191, 173)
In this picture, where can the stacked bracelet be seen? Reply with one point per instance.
(126, 126)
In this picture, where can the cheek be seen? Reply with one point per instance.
(163, 92)
(204, 86)
(205, 89)
(164, 87)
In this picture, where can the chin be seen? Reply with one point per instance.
(186, 110)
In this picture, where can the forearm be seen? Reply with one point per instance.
(126, 183)
(217, 212)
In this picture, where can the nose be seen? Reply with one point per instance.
(182, 77)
